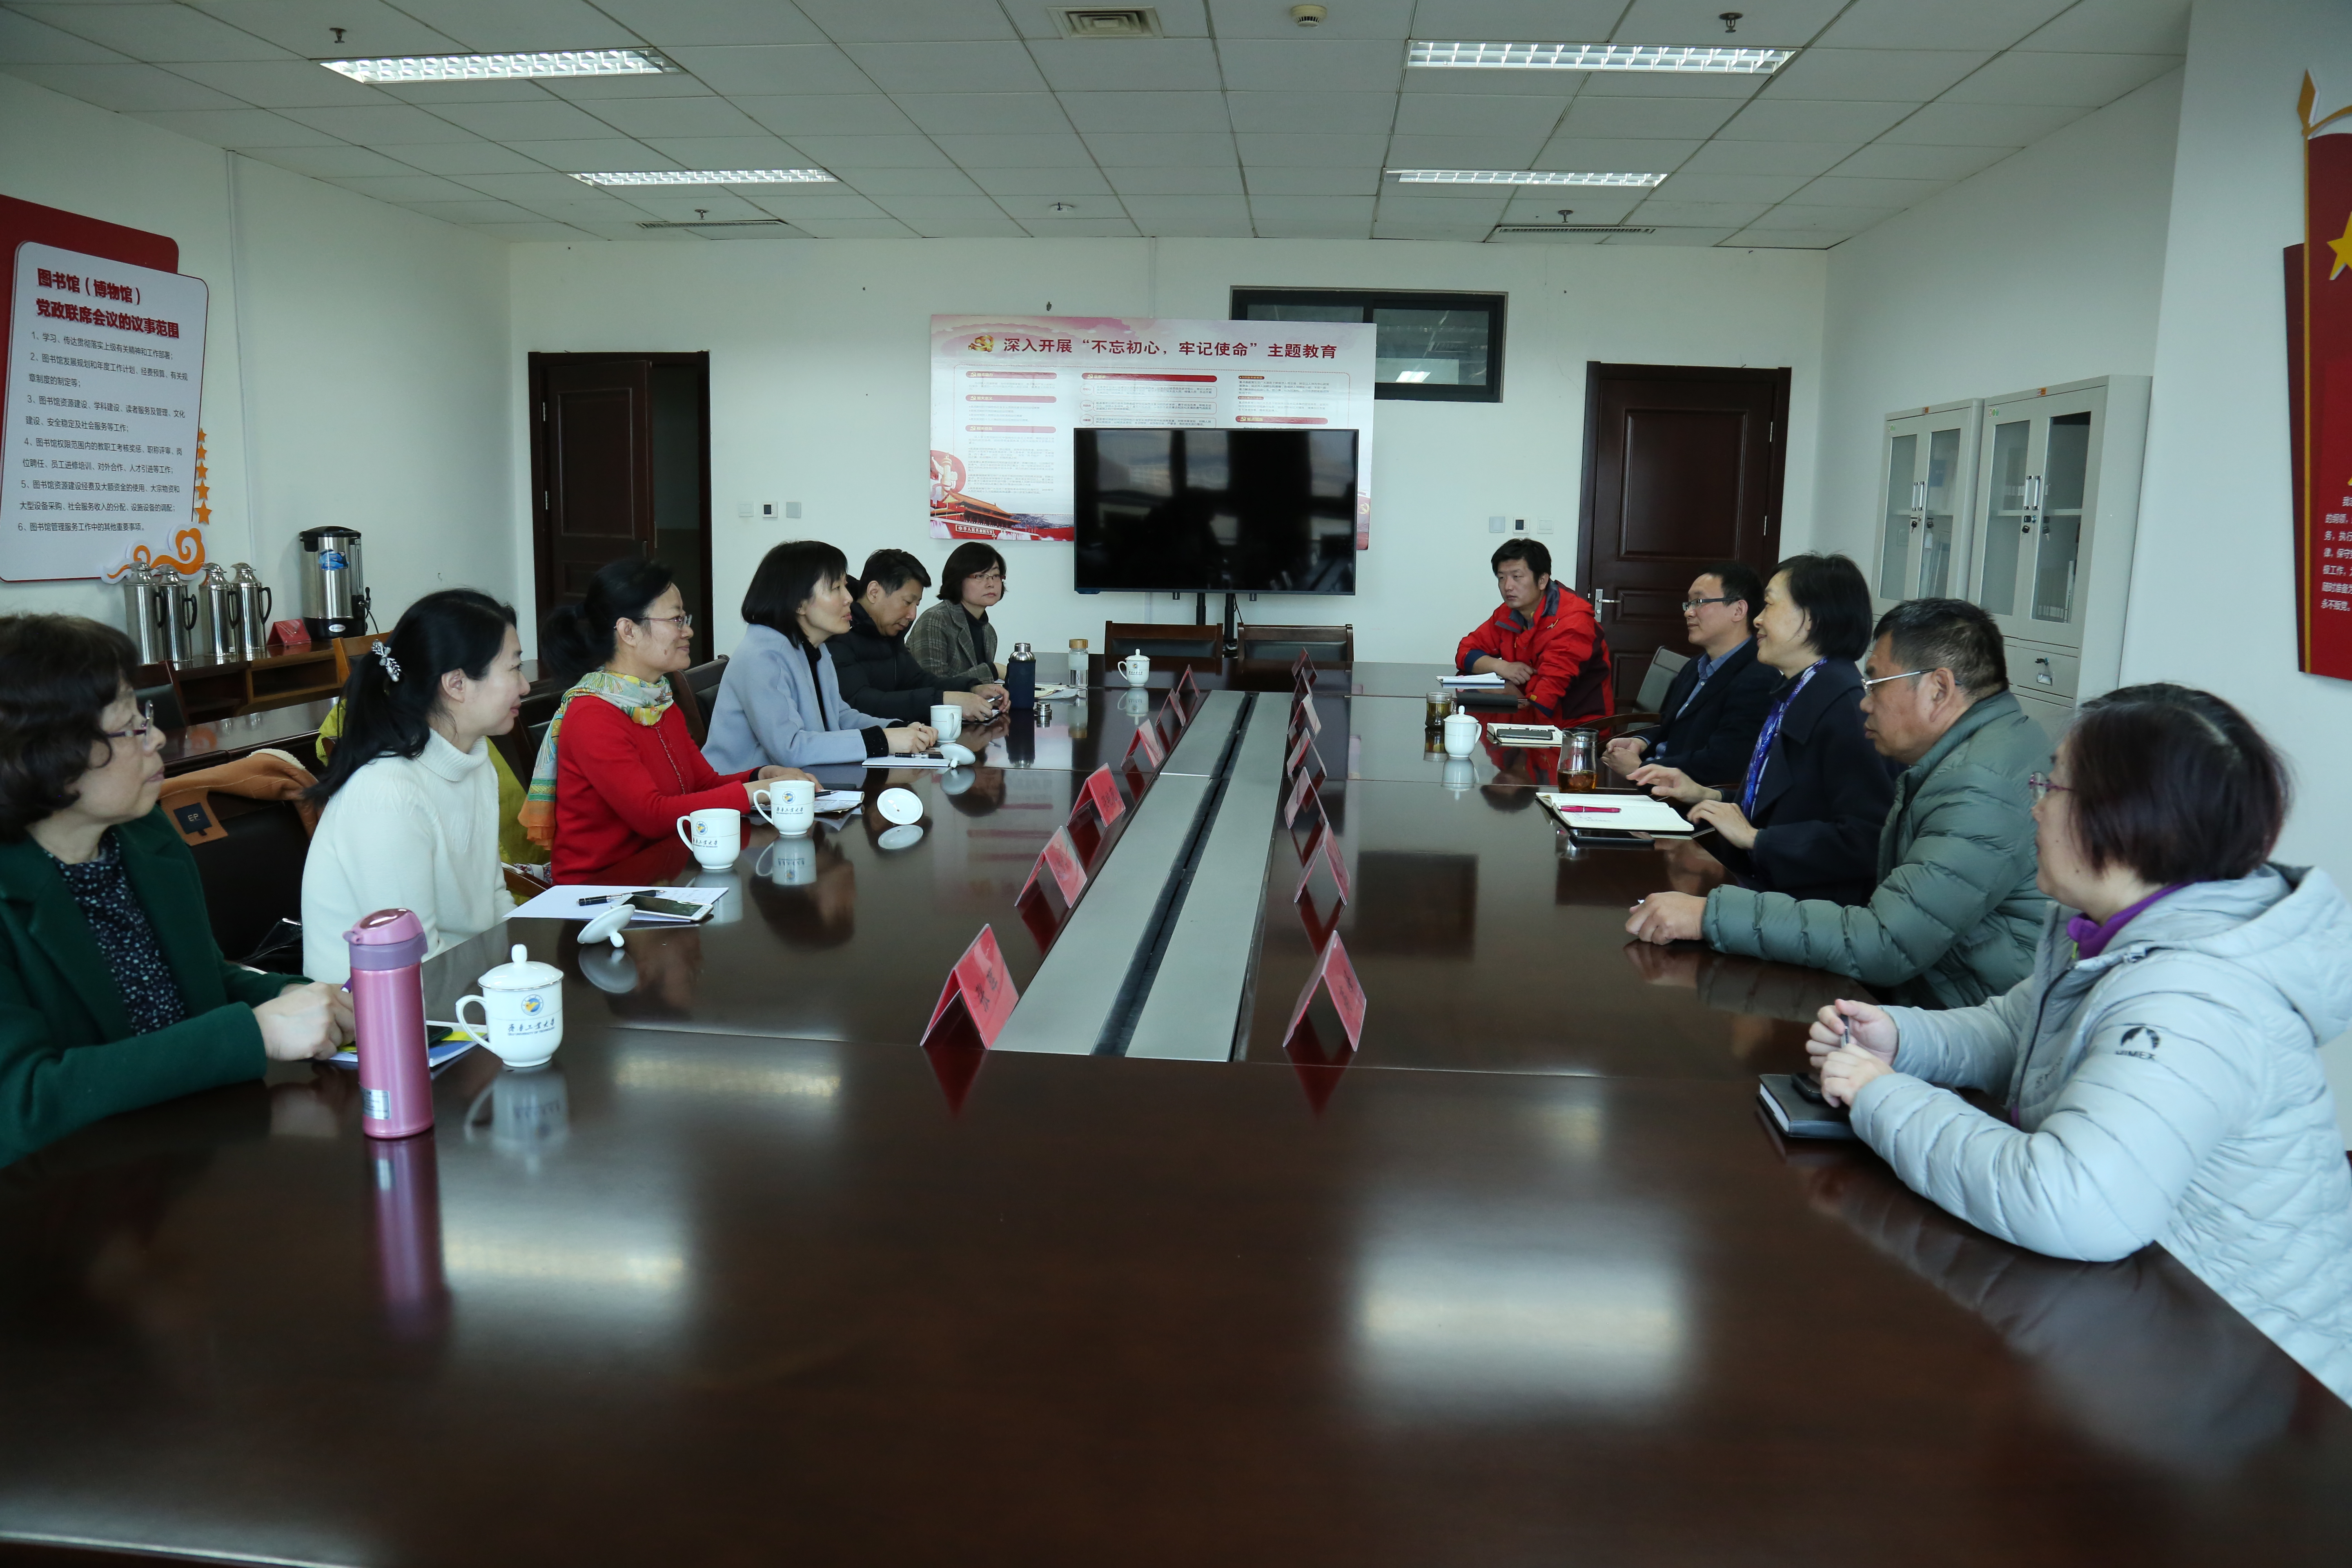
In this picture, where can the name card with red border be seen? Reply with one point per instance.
(1334, 972)
(1304, 785)
(288, 634)
(1302, 668)
(1060, 859)
(1185, 683)
(1327, 842)
(1146, 736)
(1102, 794)
(1300, 752)
(984, 985)
(1303, 712)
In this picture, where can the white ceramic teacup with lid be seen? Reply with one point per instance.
(522, 1010)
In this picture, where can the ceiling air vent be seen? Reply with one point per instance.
(1108, 21)
(1553, 230)
(724, 223)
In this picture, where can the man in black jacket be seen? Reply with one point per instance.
(1716, 707)
(877, 675)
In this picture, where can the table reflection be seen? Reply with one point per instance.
(405, 1176)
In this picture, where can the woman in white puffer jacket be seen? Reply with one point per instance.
(2159, 1070)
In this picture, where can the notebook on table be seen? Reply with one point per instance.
(1800, 1114)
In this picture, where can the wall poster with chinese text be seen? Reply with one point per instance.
(1006, 392)
(2322, 371)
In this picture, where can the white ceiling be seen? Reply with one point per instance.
(972, 118)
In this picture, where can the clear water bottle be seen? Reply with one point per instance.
(1021, 677)
(387, 949)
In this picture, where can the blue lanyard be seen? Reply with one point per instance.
(1771, 733)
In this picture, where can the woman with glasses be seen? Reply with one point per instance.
(113, 994)
(780, 700)
(953, 640)
(2159, 1073)
(618, 768)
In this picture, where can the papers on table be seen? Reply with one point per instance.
(832, 800)
(436, 1056)
(1616, 813)
(1488, 679)
(1525, 734)
(911, 759)
(585, 901)
(1056, 693)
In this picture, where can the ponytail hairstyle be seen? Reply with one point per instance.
(389, 701)
(578, 638)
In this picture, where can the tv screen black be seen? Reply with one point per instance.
(1215, 511)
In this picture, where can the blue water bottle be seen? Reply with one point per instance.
(1021, 679)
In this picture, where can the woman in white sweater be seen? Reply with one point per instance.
(412, 802)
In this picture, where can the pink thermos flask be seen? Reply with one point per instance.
(387, 952)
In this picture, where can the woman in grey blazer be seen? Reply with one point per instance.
(780, 702)
(952, 640)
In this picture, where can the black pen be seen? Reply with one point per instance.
(614, 898)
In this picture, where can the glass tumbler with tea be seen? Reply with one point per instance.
(1439, 703)
(1579, 756)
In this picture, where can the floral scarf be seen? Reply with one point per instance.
(643, 700)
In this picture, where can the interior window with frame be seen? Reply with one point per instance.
(1430, 348)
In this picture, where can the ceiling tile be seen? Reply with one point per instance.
(328, 163)
(1672, 236)
(1782, 240)
(603, 155)
(1804, 120)
(2086, 81)
(828, 115)
(1729, 188)
(1784, 23)
(947, 68)
(395, 122)
(1635, 118)
(1204, 216)
(874, 152)
(1821, 219)
(727, 152)
(1035, 206)
(960, 215)
(239, 128)
(1079, 227)
(587, 208)
(370, 26)
(1699, 214)
(672, 23)
(589, 89)
(856, 229)
(26, 42)
(517, 233)
(882, 183)
(1037, 151)
(535, 191)
(1908, 25)
(1464, 152)
(1044, 184)
(995, 114)
(1594, 154)
(2116, 26)
(899, 21)
(772, 69)
(1535, 204)
(548, 120)
(1389, 19)
(649, 117)
(680, 206)
(1364, 113)
(281, 84)
(1670, 84)
(1311, 182)
(1198, 149)
(1909, 75)
(801, 208)
(406, 187)
(1428, 114)
(522, 24)
(1894, 160)
(464, 158)
(1546, 21)
(1224, 180)
(1312, 65)
(1136, 64)
(1721, 157)
(1847, 191)
(504, 90)
(1307, 149)
(1145, 111)
(159, 32)
(1486, 211)
(1465, 233)
(128, 88)
(1423, 81)
(1946, 124)
(1278, 225)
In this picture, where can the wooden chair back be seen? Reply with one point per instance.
(1324, 645)
(252, 878)
(159, 683)
(350, 648)
(694, 690)
(1155, 641)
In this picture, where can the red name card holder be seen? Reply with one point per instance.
(1059, 859)
(1186, 688)
(1334, 973)
(1302, 789)
(1328, 843)
(1299, 754)
(981, 985)
(1303, 668)
(1147, 737)
(1101, 791)
(1304, 714)
(288, 635)
(1170, 722)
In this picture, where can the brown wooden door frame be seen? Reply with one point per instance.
(544, 586)
(1760, 551)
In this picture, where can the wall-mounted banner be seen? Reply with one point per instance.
(106, 373)
(2323, 426)
(1006, 392)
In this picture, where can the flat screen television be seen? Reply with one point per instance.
(1192, 511)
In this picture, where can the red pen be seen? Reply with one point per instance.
(1612, 810)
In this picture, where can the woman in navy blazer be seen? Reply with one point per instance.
(1805, 818)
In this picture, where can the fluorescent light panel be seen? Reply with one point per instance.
(707, 177)
(1514, 177)
(1598, 58)
(491, 68)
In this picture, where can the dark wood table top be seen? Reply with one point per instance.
(292, 728)
(694, 1298)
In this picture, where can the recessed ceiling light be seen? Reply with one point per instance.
(707, 177)
(489, 68)
(1598, 57)
(1514, 177)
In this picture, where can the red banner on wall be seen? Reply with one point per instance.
(2323, 424)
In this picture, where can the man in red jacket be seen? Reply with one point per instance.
(1543, 642)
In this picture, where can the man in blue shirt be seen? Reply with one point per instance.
(1716, 707)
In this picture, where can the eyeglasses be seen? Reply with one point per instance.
(995, 577)
(1720, 599)
(683, 623)
(143, 729)
(2043, 783)
(1883, 680)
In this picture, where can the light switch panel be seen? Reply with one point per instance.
(1499, 525)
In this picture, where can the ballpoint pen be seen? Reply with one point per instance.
(613, 898)
(1610, 810)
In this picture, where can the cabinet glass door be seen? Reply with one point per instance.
(1898, 526)
(1940, 525)
(2065, 467)
(2008, 519)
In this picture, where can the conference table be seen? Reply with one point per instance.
(747, 1274)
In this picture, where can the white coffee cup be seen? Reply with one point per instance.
(1461, 734)
(789, 805)
(948, 720)
(715, 834)
(522, 1010)
(1136, 668)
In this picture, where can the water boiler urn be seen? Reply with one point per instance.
(334, 593)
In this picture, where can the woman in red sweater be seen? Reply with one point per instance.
(619, 769)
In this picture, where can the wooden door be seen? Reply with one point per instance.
(1682, 467)
(592, 469)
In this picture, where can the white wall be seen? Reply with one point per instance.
(819, 388)
(355, 358)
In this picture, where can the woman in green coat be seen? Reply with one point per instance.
(112, 993)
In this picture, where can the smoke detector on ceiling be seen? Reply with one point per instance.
(1309, 16)
(1107, 21)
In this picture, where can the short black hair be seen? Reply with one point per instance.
(788, 577)
(1740, 581)
(891, 570)
(969, 559)
(64, 673)
(1948, 634)
(1831, 591)
(2175, 784)
(1531, 551)
(576, 638)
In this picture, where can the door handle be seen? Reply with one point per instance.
(1603, 600)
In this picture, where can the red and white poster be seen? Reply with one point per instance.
(2324, 448)
(1006, 392)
